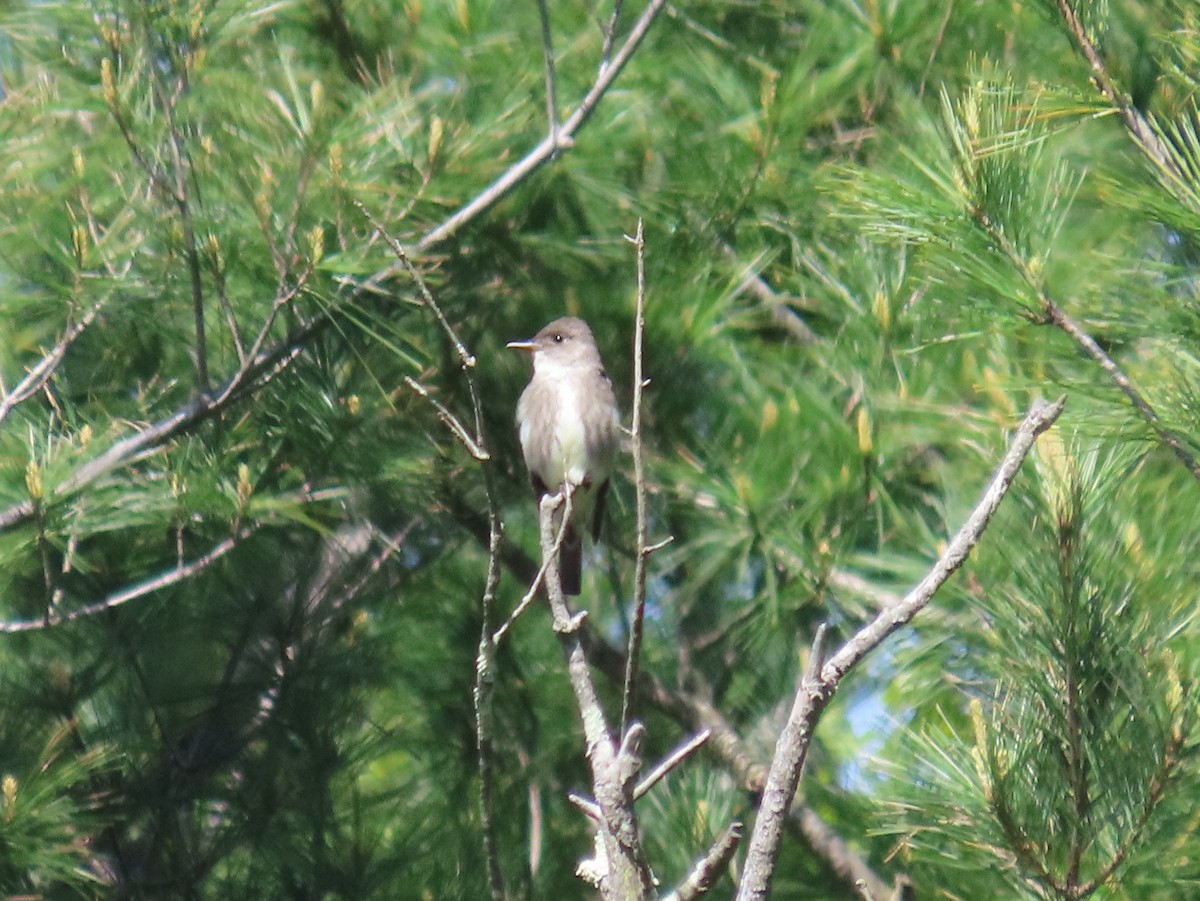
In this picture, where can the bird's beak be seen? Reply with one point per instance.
(521, 345)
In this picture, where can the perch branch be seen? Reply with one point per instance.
(620, 870)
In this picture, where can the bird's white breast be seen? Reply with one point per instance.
(568, 451)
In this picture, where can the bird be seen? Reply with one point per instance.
(569, 428)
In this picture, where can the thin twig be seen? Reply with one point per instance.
(391, 546)
(450, 421)
(526, 600)
(586, 806)
(539, 579)
(484, 676)
(44, 369)
(172, 576)
(482, 696)
(933, 50)
(639, 481)
(181, 169)
(707, 870)
(548, 56)
(1168, 436)
(548, 147)
(466, 358)
(1056, 316)
(216, 265)
(476, 445)
(284, 295)
(669, 763)
(822, 680)
(841, 858)
(610, 35)
(255, 372)
(1139, 126)
(154, 173)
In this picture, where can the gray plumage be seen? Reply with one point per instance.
(569, 428)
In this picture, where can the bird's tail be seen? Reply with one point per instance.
(570, 561)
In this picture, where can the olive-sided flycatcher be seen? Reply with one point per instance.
(569, 428)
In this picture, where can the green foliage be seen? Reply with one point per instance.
(1083, 712)
(49, 805)
(241, 558)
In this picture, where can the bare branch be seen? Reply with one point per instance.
(261, 366)
(1089, 345)
(782, 779)
(659, 545)
(620, 870)
(822, 680)
(1040, 417)
(823, 839)
(164, 579)
(610, 35)
(671, 761)
(548, 56)
(476, 445)
(549, 146)
(254, 373)
(588, 807)
(526, 600)
(632, 658)
(284, 294)
(464, 356)
(539, 579)
(482, 696)
(693, 711)
(707, 870)
(450, 421)
(44, 369)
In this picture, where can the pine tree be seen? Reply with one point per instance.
(258, 264)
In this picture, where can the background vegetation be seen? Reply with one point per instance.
(241, 558)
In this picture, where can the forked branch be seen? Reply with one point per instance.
(823, 677)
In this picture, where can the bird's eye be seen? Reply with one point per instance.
(558, 337)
